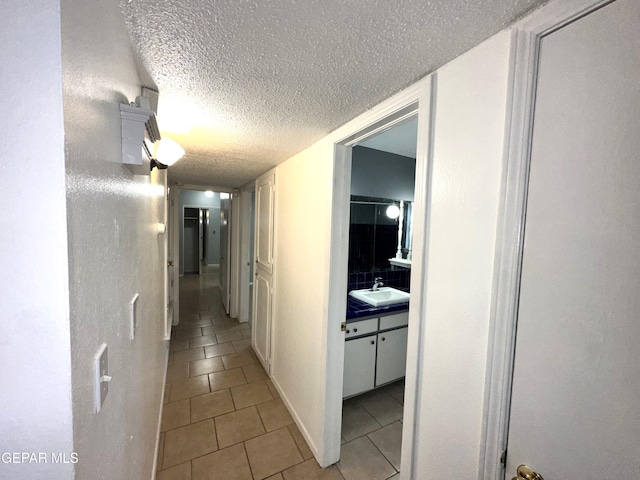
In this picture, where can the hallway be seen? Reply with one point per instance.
(224, 420)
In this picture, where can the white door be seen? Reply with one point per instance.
(263, 285)
(576, 394)
(225, 253)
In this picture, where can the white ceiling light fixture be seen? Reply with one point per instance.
(208, 194)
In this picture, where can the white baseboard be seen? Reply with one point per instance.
(296, 419)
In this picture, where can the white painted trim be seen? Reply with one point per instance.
(245, 249)
(417, 307)
(175, 249)
(274, 269)
(226, 294)
(166, 241)
(510, 241)
(159, 428)
(365, 125)
(203, 188)
(235, 245)
(507, 258)
(336, 306)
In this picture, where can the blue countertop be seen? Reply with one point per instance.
(357, 309)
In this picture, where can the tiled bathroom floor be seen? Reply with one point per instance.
(224, 420)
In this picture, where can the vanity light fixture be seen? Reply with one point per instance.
(393, 211)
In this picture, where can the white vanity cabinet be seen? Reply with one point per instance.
(360, 364)
(391, 360)
(375, 352)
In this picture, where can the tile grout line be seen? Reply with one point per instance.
(246, 454)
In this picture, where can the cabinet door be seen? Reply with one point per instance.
(359, 365)
(392, 356)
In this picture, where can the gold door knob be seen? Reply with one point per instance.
(527, 473)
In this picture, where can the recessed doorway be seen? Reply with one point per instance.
(380, 254)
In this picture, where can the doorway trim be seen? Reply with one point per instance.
(416, 100)
(246, 258)
(527, 35)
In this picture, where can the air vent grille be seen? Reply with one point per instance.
(153, 97)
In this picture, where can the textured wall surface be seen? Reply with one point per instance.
(304, 190)
(465, 199)
(114, 251)
(466, 178)
(256, 82)
(35, 377)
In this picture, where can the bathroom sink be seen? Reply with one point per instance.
(381, 297)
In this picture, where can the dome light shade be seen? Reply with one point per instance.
(168, 151)
(393, 211)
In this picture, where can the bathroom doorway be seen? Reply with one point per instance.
(411, 103)
(382, 189)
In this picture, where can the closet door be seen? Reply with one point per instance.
(264, 261)
(575, 411)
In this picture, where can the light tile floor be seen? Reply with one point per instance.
(224, 420)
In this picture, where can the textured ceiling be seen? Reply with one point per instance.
(245, 85)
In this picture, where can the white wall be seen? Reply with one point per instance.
(467, 163)
(305, 325)
(35, 377)
(303, 210)
(470, 115)
(114, 251)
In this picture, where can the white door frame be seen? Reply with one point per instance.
(175, 235)
(510, 240)
(244, 249)
(169, 264)
(226, 293)
(200, 226)
(415, 100)
(234, 255)
(174, 252)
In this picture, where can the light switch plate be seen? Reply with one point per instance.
(133, 314)
(101, 361)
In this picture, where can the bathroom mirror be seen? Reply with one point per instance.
(379, 230)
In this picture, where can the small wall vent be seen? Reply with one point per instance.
(153, 96)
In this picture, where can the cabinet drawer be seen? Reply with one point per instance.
(394, 321)
(355, 329)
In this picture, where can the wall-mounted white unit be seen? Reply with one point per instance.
(137, 123)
